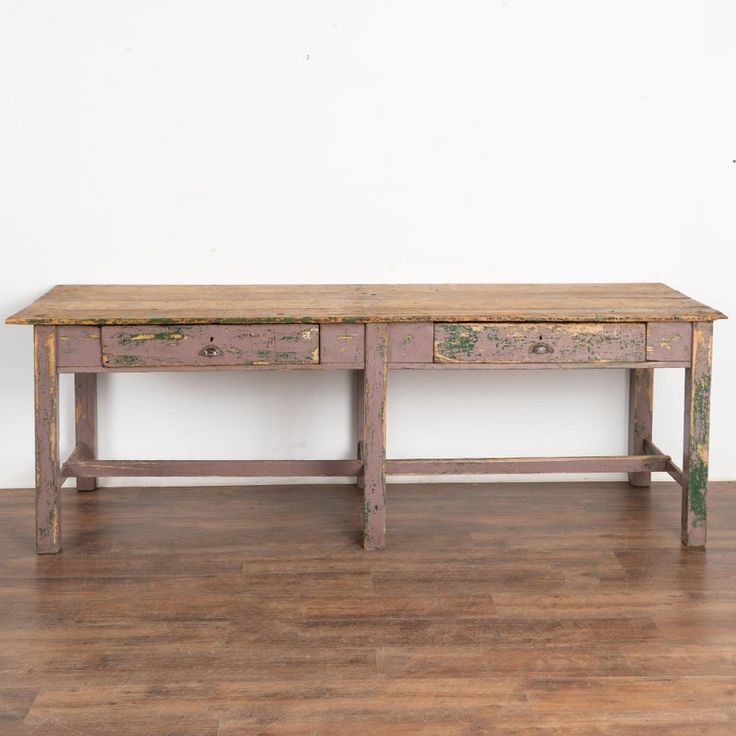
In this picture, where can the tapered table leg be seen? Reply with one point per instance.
(85, 415)
(374, 436)
(48, 491)
(641, 401)
(695, 443)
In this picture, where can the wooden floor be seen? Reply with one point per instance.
(543, 609)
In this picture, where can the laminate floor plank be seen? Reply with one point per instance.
(497, 610)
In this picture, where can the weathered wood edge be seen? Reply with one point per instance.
(692, 311)
(612, 317)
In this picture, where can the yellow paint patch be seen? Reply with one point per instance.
(152, 336)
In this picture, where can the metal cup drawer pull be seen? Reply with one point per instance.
(541, 348)
(210, 351)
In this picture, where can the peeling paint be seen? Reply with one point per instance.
(459, 341)
(143, 336)
(126, 360)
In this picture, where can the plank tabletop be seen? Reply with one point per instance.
(229, 304)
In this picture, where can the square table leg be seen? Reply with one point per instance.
(695, 443)
(85, 420)
(360, 416)
(374, 436)
(641, 404)
(46, 395)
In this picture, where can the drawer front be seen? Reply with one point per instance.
(539, 342)
(202, 345)
(669, 341)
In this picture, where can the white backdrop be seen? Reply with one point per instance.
(365, 141)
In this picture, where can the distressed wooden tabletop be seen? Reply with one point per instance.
(179, 304)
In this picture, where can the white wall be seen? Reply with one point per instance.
(365, 141)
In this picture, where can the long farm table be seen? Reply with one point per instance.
(370, 329)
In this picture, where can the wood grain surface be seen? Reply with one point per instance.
(549, 609)
(151, 304)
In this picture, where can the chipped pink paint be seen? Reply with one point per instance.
(374, 436)
(204, 345)
(459, 466)
(410, 342)
(360, 418)
(48, 489)
(669, 340)
(641, 406)
(85, 423)
(78, 346)
(342, 343)
(77, 466)
(538, 342)
(696, 437)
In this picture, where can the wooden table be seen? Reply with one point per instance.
(370, 329)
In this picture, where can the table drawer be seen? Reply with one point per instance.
(201, 345)
(539, 342)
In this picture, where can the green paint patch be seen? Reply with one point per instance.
(306, 334)
(698, 472)
(126, 360)
(698, 488)
(701, 405)
(265, 357)
(459, 342)
(162, 321)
